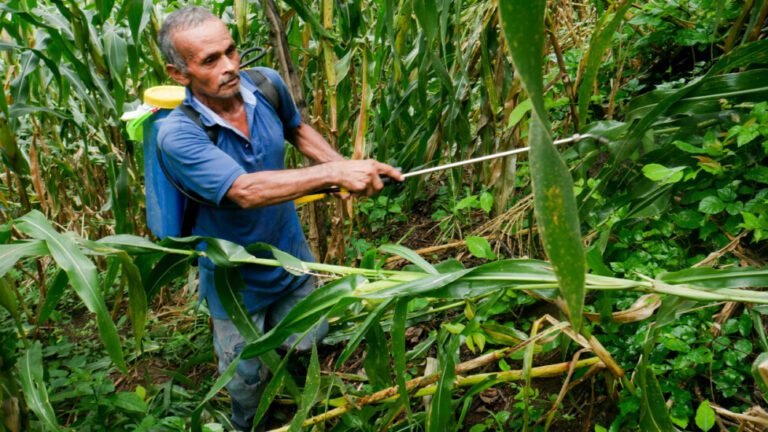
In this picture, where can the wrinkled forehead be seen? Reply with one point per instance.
(203, 39)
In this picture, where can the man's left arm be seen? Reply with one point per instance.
(312, 145)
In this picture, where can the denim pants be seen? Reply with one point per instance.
(248, 383)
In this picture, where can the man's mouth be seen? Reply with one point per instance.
(231, 81)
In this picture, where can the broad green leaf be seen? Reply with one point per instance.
(662, 174)
(745, 277)
(7, 299)
(311, 391)
(137, 297)
(555, 204)
(409, 255)
(376, 362)
(271, 390)
(82, 275)
(139, 12)
(117, 55)
(308, 16)
(426, 14)
(711, 205)
(305, 314)
(361, 330)
(54, 294)
(705, 416)
(169, 268)
(12, 253)
(601, 42)
(398, 352)
(440, 409)
(229, 283)
(217, 386)
(35, 392)
(479, 247)
(654, 416)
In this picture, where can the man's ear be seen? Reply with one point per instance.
(177, 75)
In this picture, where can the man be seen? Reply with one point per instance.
(245, 167)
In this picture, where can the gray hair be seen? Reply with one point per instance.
(181, 19)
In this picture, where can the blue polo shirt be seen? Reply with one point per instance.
(209, 170)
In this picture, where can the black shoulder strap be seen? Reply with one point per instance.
(266, 86)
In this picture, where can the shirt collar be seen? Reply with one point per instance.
(210, 118)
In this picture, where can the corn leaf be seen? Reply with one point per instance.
(440, 409)
(137, 297)
(33, 383)
(305, 314)
(271, 390)
(555, 204)
(311, 391)
(410, 255)
(12, 253)
(361, 330)
(598, 46)
(54, 294)
(82, 275)
(745, 277)
(398, 352)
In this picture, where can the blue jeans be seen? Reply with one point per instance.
(249, 380)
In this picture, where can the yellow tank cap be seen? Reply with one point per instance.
(168, 97)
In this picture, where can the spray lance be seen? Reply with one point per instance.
(572, 139)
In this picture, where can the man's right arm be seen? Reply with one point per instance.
(271, 187)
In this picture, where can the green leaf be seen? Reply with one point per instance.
(311, 391)
(744, 277)
(169, 268)
(305, 314)
(399, 319)
(601, 42)
(10, 254)
(440, 409)
(376, 362)
(555, 204)
(7, 299)
(55, 292)
(426, 14)
(654, 416)
(271, 390)
(361, 330)
(217, 386)
(128, 401)
(116, 50)
(705, 416)
(82, 275)
(486, 202)
(35, 392)
(711, 205)
(479, 247)
(137, 297)
(409, 255)
(308, 16)
(662, 174)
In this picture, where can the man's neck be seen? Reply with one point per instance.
(222, 107)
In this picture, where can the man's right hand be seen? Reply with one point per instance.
(361, 176)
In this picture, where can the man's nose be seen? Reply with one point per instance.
(230, 64)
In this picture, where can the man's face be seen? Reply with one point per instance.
(213, 64)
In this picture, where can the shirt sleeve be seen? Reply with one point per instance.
(288, 112)
(194, 161)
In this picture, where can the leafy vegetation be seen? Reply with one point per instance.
(615, 285)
